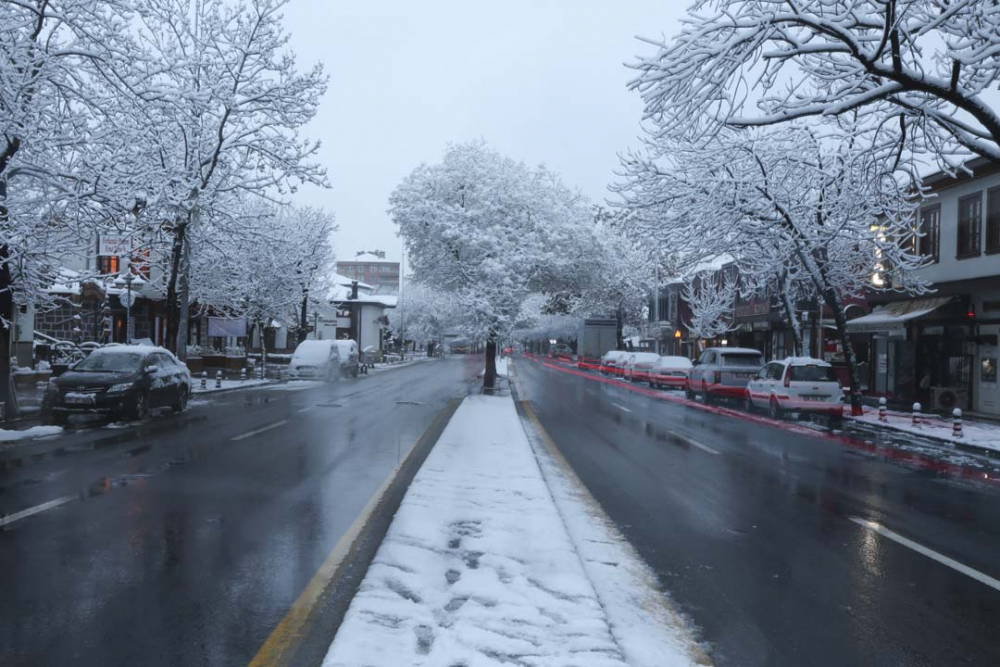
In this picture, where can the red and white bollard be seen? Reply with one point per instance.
(243, 373)
(916, 415)
(881, 409)
(956, 426)
(218, 379)
(204, 380)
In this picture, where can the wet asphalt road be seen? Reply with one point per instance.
(184, 541)
(749, 527)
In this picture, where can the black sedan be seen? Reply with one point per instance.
(121, 382)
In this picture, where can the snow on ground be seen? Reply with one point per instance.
(29, 433)
(478, 569)
(978, 434)
(297, 385)
(226, 384)
(501, 368)
(409, 362)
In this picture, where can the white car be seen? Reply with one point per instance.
(797, 384)
(670, 372)
(639, 364)
(315, 360)
(611, 362)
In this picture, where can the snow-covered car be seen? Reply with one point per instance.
(796, 384)
(611, 361)
(670, 372)
(723, 372)
(349, 358)
(315, 360)
(124, 381)
(639, 364)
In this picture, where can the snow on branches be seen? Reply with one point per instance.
(489, 231)
(711, 297)
(920, 66)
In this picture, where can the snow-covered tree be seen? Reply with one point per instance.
(490, 231)
(223, 102)
(786, 206)
(56, 63)
(922, 66)
(711, 297)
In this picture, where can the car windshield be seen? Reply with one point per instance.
(110, 362)
(742, 359)
(813, 374)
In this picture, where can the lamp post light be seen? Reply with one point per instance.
(127, 280)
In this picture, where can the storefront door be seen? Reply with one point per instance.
(987, 392)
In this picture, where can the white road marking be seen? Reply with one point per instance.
(930, 553)
(306, 409)
(704, 448)
(254, 432)
(621, 407)
(16, 516)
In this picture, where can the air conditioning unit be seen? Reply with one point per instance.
(949, 398)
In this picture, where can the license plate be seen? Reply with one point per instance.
(79, 400)
(815, 398)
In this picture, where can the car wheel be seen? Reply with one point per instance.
(705, 396)
(182, 400)
(837, 422)
(748, 403)
(141, 407)
(774, 410)
(689, 393)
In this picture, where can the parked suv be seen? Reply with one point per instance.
(797, 384)
(123, 381)
(723, 372)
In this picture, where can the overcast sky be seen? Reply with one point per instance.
(540, 80)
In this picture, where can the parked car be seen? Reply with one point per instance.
(315, 360)
(561, 351)
(797, 384)
(723, 372)
(121, 382)
(639, 364)
(670, 372)
(349, 358)
(611, 361)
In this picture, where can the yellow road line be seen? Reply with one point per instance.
(286, 637)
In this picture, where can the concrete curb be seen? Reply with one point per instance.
(225, 390)
(950, 442)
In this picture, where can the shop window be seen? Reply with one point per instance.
(970, 223)
(107, 265)
(993, 220)
(929, 228)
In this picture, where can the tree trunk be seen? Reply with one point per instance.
(788, 309)
(173, 305)
(619, 328)
(185, 303)
(831, 300)
(6, 326)
(490, 377)
(304, 317)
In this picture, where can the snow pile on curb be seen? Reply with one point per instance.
(974, 434)
(28, 433)
(226, 384)
(378, 368)
(478, 569)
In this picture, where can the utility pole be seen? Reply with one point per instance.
(656, 304)
(402, 305)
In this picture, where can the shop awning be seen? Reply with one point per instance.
(894, 316)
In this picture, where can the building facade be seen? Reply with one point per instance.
(940, 349)
(383, 275)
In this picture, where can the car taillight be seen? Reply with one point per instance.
(788, 376)
(718, 377)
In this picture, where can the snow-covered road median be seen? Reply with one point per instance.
(479, 567)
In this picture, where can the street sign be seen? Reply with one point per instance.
(127, 299)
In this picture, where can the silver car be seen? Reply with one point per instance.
(723, 372)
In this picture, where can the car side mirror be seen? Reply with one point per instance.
(695, 363)
(149, 370)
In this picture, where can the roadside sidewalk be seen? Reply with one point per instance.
(482, 567)
(978, 435)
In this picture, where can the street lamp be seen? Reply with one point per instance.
(128, 300)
